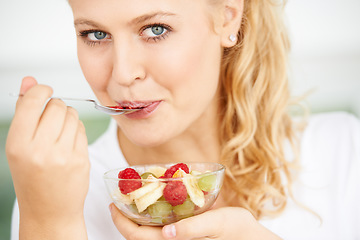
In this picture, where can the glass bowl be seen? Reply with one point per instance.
(156, 199)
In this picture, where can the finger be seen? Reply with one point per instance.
(131, 230)
(203, 226)
(81, 143)
(29, 109)
(51, 121)
(13, 136)
(70, 128)
(27, 83)
(80, 148)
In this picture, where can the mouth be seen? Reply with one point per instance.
(145, 108)
(133, 105)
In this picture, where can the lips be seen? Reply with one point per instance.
(146, 109)
(134, 105)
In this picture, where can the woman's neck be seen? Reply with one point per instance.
(199, 143)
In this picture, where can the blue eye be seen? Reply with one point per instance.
(154, 31)
(99, 35)
(93, 37)
(96, 36)
(157, 30)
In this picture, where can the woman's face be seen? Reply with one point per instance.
(162, 55)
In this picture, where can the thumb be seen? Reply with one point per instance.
(205, 225)
(27, 83)
(187, 229)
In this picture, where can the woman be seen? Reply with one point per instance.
(211, 77)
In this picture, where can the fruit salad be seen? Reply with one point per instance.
(165, 195)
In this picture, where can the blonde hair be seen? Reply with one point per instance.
(255, 123)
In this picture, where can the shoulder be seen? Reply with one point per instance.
(337, 131)
(327, 182)
(335, 122)
(330, 148)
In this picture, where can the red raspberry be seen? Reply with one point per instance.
(127, 186)
(175, 193)
(170, 171)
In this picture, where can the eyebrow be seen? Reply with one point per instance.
(150, 16)
(82, 21)
(135, 21)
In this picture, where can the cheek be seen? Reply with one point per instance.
(192, 70)
(94, 67)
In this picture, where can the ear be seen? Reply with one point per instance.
(232, 16)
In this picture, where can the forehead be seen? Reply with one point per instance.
(128, 9)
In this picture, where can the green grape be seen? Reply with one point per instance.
(157, 220)
(185, 209)
(145, 175)
(132, 207)
(159, 209)
(207, 182)
(162, 199)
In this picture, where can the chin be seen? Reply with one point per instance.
(148, 141)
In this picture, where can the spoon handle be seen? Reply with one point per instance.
(74, 99)
(62, 98)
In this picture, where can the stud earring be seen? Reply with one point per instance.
(232, 38)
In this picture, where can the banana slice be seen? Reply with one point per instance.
(194, 172)
(148, 187)
(121, 197)
(192, 188)
(149, 198)
(157, 171)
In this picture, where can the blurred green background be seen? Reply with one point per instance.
(94, 128)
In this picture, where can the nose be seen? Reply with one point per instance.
(127, 63)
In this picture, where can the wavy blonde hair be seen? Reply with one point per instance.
(255, 123)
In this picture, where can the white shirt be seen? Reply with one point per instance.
(329, 184)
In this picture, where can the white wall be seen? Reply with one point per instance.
(38, 39)
(325, 38)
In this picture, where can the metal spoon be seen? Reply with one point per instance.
(101, 108)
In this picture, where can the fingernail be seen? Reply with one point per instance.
(170, 231)
(110, 207)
